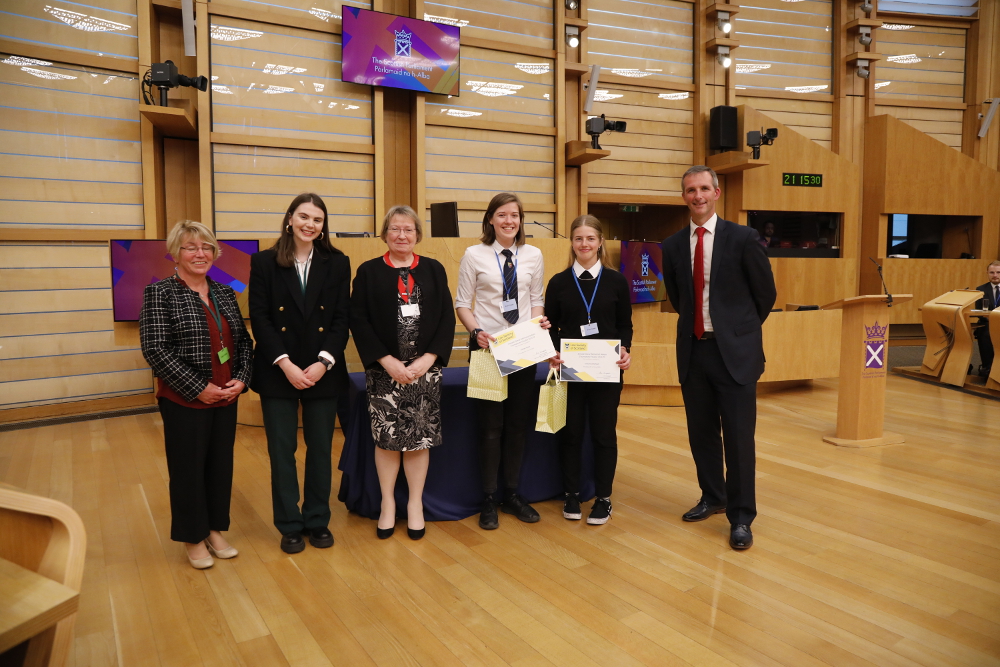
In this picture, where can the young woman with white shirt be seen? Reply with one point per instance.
(504, 277)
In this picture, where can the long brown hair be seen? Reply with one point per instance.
(489, 236)
(284, 247)
(595, 224)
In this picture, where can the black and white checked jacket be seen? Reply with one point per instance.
(173, 334)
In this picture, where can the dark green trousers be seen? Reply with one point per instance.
(281, 427)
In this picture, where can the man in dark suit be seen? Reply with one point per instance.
(990, 301)
(720, 283)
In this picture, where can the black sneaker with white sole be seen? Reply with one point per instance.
(600, 512)
(571, 507)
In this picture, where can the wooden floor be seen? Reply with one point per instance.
(879, 557)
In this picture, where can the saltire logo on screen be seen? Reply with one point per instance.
(404, 41)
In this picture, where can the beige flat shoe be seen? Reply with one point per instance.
(228, 552)
(201, 563)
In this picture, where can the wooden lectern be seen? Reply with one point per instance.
(949, 335)
(864, 348)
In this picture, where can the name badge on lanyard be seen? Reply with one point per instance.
(508, 305)
(590, 328)
(409, 309)
(406, 309)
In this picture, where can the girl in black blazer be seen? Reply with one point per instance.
(192, 335)
(403, 324)
(590, 292)
(299, 309)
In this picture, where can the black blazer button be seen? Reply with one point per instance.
(321, 329)
(322, 308)
(280, 308)
(282, 328)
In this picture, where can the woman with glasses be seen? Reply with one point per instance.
(192, 335)
(403, 325)
(299, 309)
(504, 276)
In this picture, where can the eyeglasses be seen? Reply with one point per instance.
(208, 249)
(399, 230)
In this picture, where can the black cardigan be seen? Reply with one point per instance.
(374, 302)
(285, 322)
(612, 307)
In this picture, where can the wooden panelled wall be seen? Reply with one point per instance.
(82, 165)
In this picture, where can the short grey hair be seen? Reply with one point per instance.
(196, 230)
(698, 169)
(402, 209)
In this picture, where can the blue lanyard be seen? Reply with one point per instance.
(503, 276)
(592, 296)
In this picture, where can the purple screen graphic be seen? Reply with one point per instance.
(135, 264)
(400, 52)
(642, 265)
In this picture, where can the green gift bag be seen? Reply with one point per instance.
(485, 381)
(551, 404)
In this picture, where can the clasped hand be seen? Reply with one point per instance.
(214, 394)
(404, 374)
(299, 378)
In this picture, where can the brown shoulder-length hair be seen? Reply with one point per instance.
(602, 252)
(489, 236)
(284, 247)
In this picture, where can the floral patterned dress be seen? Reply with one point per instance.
(405, 418)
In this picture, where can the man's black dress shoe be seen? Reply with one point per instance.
(488, 519)
(702, 511)
(520, 508)
(292, 543)
(740, 537)
(321, 538)
(416, 534)
(384, 533)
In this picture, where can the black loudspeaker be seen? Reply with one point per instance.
(444, 218)
(722, 134)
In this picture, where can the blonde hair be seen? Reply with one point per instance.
(595, 224)
(190, 228)
(401, 209)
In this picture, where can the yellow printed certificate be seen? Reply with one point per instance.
(522, 345)
(590, 359)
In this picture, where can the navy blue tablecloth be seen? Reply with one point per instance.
(453, 489)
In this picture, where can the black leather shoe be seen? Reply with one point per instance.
(740, 537)
(321, 538)
(520, 508)
(702, 511)
(292, 543)
(384, 533)
(488, 519)
(416, 534)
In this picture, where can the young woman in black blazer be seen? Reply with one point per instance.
(590, 292)
(299, 310)
(403, 324)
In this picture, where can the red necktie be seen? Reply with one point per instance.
(698, 277)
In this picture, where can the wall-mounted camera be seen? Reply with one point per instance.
(165, 76)
(598, 126)
(757, 139)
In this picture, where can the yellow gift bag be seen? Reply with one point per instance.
(551, 404)
(485, 381)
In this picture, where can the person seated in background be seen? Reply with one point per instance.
(990, 301)
(768, 237)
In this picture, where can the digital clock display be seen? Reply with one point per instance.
(803, 180)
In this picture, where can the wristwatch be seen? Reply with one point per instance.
(474, 334)
(326, 362)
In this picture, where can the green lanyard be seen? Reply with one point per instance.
(217, 316)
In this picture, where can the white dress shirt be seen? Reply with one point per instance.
(480, 279)
(595, 270)
(707, 243)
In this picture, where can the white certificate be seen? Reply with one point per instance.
(590, 359)
(522, 345)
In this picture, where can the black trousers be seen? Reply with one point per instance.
(599, 401)
(721, 420)
(502, 429)
(199, 447)
(985, 346)
(281, 423)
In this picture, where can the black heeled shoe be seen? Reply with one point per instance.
(384, 533)
(416, 534)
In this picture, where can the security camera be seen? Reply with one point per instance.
(598, 126)
(867, 7)
(757, 139)
(865, 35)
(864, 72)
(165, 76)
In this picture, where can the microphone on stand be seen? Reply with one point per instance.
(888, 297)
(551, 229)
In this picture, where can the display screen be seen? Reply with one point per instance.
(135, 264)
(400, 52)
(642, 265)
(803, 180)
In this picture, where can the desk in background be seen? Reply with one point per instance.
(453, 490)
